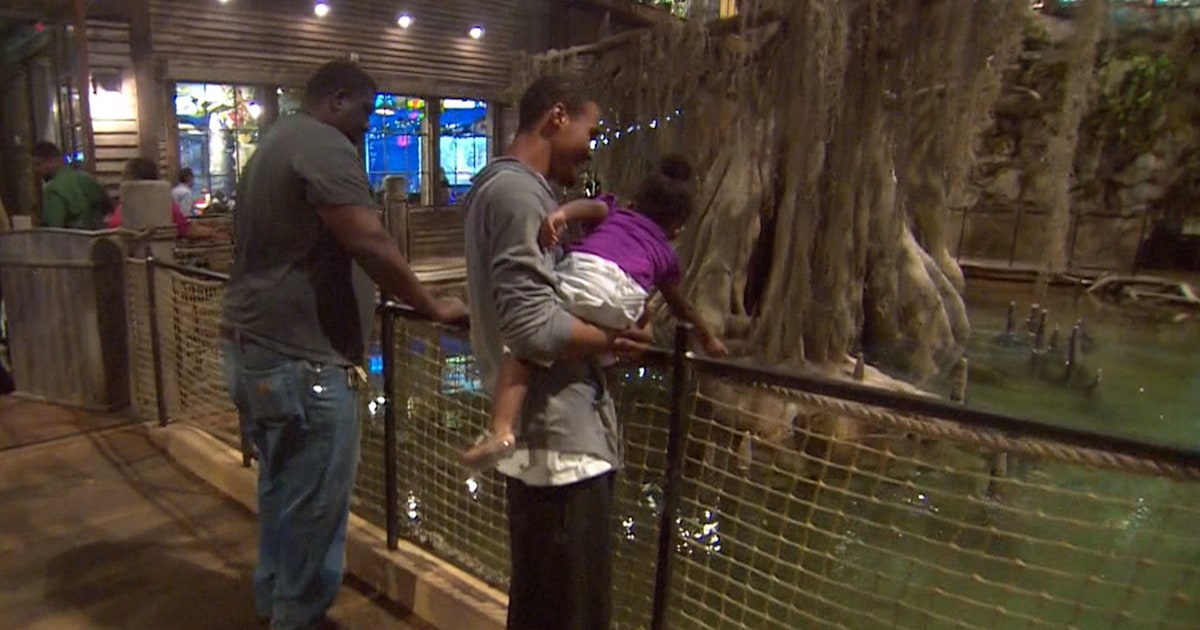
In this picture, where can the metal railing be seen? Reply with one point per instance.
(707, 559)
(175, 369)
(757, 498)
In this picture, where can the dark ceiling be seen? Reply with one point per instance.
(33, 9)
(19, 18)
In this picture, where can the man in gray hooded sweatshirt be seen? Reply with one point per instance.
(560, 478)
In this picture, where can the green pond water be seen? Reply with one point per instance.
(1150, 363)
(925, 543)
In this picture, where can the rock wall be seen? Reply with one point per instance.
(1137, 157)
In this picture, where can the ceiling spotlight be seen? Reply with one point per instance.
(405, 20)
(476, 32)
(223, 1)
(321, 9)
(254, 109)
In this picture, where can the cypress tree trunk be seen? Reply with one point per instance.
(831, 139)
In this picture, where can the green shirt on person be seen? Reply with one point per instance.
(74, 199)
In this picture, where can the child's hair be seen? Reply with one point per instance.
(666, 197)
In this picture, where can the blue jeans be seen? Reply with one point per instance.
(304, 421)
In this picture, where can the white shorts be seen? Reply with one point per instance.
(599, 292)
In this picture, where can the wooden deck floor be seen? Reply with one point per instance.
(99, 529)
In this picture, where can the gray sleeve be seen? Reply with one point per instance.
(533, 324)
(332, 171)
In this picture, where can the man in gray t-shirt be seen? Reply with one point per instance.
(297, 313)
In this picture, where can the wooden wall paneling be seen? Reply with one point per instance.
(252, 42)
(170, 138)
(148, 85)
(79, 14)
(115, 134)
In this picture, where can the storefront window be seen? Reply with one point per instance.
(396, 141)
(218, 131)
(463, 145)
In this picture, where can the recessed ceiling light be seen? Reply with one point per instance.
(476, 32)
(321, 9)
(405, 20)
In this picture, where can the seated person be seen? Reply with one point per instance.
(143, 169)
(182, 192)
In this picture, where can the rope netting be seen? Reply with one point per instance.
(189, 319)
(193, 346)
(441, 410)
(215, 257)
(841, 515)
(188, 312)
(796, 509)
(800, 510)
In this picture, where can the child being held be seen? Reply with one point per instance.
(605, 279)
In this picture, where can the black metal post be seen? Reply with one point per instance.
(391, 491)
(680, 377)
(160, 396)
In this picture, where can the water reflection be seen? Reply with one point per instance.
(652, 497)
(699, 534)
(921, 500)
(412, 509)
(627, 529)
(375, 406)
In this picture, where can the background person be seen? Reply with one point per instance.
(143, 169)
(182, 192)
(71, 198)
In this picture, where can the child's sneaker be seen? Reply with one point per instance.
(488, 451)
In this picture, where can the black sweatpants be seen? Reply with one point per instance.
(562, 550)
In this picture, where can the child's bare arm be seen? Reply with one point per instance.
(682, 309)
(580, 210)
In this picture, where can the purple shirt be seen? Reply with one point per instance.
(634, 243)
